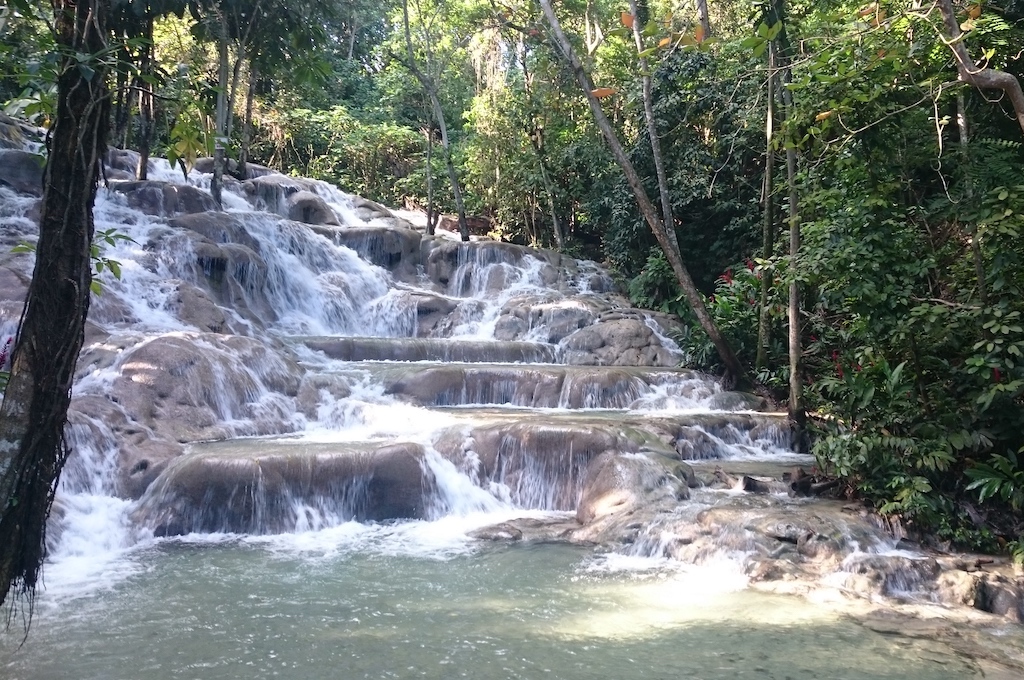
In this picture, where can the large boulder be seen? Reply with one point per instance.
(455, 385)
(121, 162)
(252, 170)
(16, 134)
(429, 349)
(164, 198)
(478, 225)
(194, 387)
(431, 312)
(620, 484)
(549, 318)
(542, 464)
(467, 268)
(370, 211)
(230, 270)
(617, 342)
(273, 192)
(394, 249)
(307, 207)
(286, 489)
(217, 227)
(22, 171)
(193, 306)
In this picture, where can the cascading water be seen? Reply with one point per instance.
(277, 456)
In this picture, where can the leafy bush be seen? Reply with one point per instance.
(372, 159)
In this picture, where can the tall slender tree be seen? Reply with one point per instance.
(664, 233)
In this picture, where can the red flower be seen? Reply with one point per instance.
(727, 276)
(996, 375)
(750, 264)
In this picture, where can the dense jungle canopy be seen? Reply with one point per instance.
(853, 172)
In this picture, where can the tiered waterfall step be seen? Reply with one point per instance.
(430, 349)
(433, 383)
(531, 458)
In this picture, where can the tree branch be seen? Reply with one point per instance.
(981, 78)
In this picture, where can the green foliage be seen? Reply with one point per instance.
(28, 68)
(372, 159)
(910, 265)
(655, 286)
(1016, 550)
(702, 105)
(1002, 477)
(735, 308)
(190, 138)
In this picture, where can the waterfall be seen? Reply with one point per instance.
(252, 376)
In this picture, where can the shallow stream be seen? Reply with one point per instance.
(415, 601)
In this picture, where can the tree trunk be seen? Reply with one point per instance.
(123, 107)
(665, 237)
(705, 20)
(220, 137)
(453, 177)
(768, 227)
(432, 214)
(250, 98)
(549, 189)
(797, 412)
(236, 76)
(537, 142)
(536, 136)
(147, 104)
(981, 78)
(973, 235)
(351, 39)
(34, 409)
(652, 130)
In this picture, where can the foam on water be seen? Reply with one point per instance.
(95, 549)
(491, 285)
